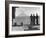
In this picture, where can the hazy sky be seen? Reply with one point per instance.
(27, 11)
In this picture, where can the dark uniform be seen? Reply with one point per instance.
(33, 19)
(36, 18)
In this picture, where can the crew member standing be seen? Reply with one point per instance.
(37, 19)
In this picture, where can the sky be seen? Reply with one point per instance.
(27, 11)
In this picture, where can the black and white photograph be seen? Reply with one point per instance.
(25, 18)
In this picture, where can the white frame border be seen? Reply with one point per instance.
(24, 32)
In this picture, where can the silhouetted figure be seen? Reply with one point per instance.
(36, 18)
(33, 19)
(21, 23)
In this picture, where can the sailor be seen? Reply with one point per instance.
(37, 19)
(33, 19)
